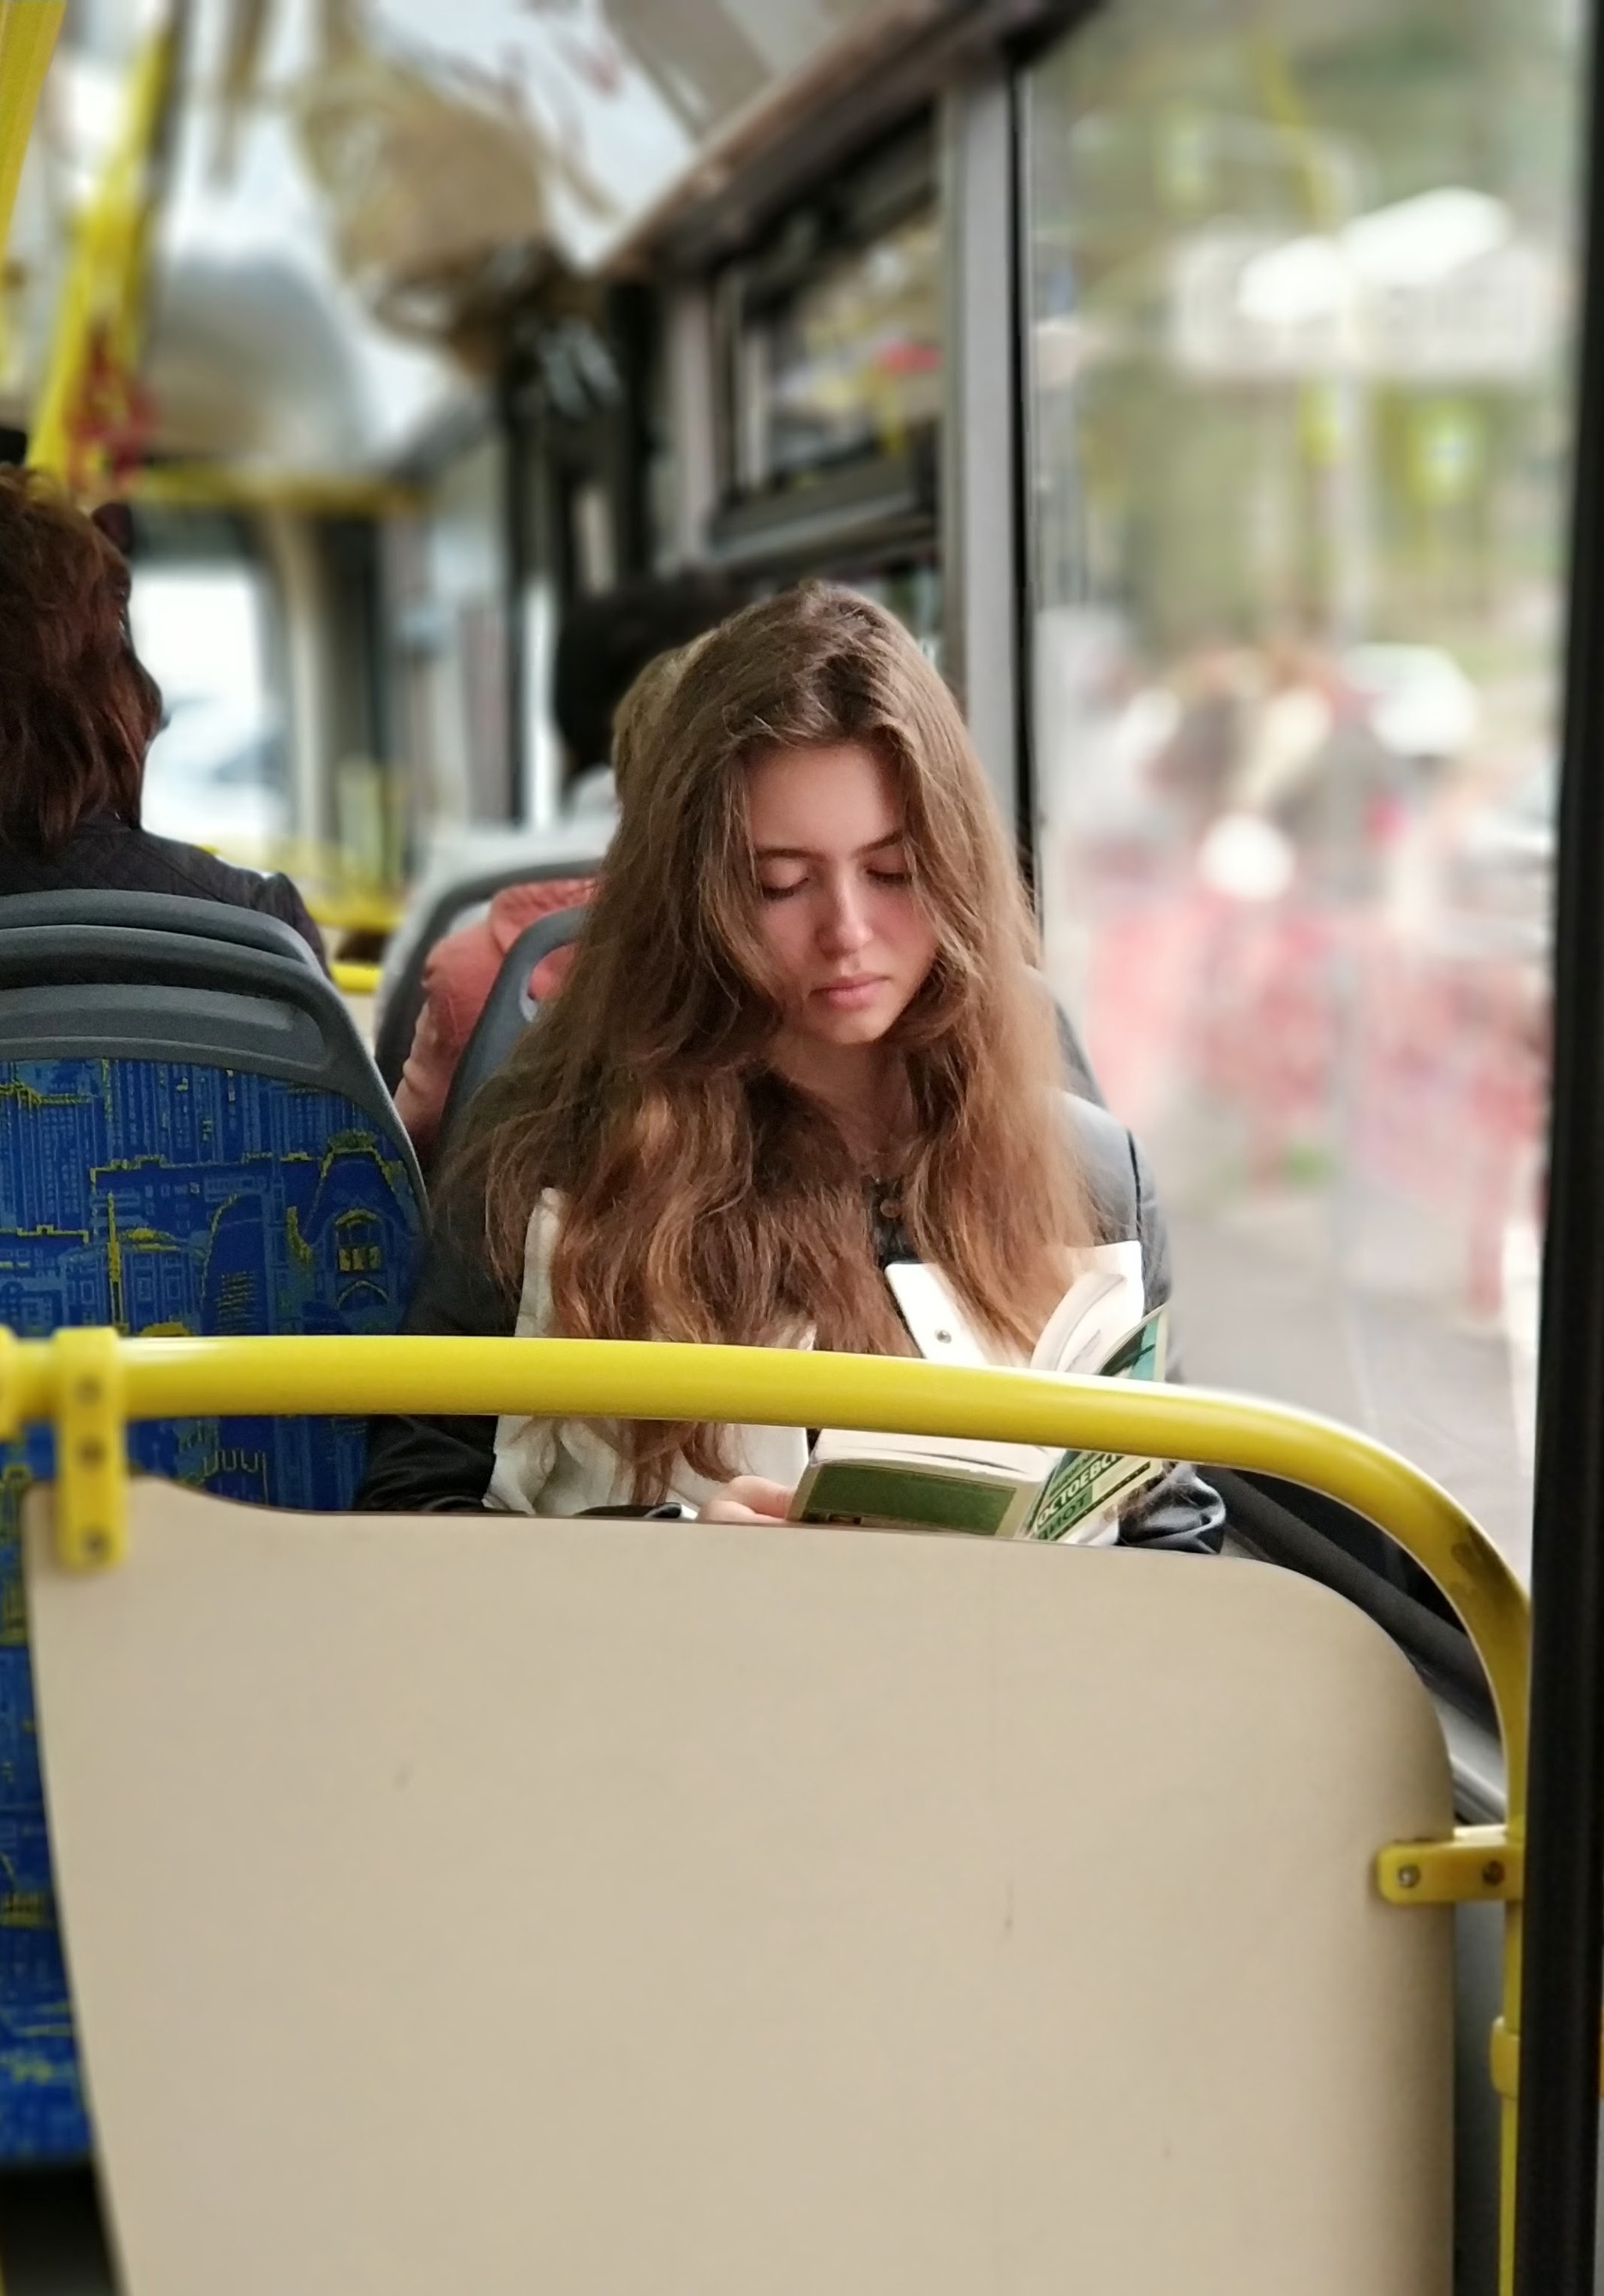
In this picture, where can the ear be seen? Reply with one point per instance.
(115, 521)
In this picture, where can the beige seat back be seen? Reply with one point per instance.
(590, 1908)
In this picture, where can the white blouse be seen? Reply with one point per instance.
(562, 1467)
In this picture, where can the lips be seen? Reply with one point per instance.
(854, 990)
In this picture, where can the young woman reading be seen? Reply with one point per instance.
(802, 1041)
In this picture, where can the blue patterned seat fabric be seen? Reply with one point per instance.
(166, 1197)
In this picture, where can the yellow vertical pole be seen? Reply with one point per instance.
(1509, 2106)
(103, 294)
(27, 35)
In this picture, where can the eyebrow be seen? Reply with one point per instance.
(803, 853)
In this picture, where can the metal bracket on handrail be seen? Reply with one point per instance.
(1480, 1865)
(92, 1466)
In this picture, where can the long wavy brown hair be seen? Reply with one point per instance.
(704, 1197)
(77, 708)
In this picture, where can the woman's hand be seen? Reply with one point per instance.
(749, 1498)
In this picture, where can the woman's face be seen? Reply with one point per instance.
(849, 941)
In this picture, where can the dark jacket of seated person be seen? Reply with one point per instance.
(799, 1090)
(78, 712)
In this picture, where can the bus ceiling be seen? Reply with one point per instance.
(219, 253)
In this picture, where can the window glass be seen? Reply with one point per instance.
(1300, 292)
(446, 576)
(216, 773)
(849, 363)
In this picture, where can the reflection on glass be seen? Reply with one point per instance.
(848, 365)
(1299, 309)
(216, 773)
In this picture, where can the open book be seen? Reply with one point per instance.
(1005, 1490)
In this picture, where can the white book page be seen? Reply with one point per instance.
(1106, 1300)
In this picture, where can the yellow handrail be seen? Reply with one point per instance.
(176, 1378)
(84, 1373)
(316, 494)
(354, 912)
(356, 979)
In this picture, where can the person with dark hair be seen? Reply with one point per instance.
(78, 712)
(606, 655)
(605, 644)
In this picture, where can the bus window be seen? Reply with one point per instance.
(848, 363)
(829, 344)
(217, 774)
(1300, 402)
(830, 336)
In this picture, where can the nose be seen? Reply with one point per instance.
(845, 929)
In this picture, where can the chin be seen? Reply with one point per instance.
(853, 1028)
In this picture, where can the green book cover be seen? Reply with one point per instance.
(1084, 1482)
(1018, 1491)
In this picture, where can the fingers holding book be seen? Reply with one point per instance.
(748, 1498)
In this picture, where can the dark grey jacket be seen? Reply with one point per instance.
(105, 855)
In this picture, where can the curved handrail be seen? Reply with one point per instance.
(601, 1379)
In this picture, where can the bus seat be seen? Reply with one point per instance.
(508, 1010)
(165, 913)
(1078, 1073)
(722, 1908)
(440, 908)
(192, 1140)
